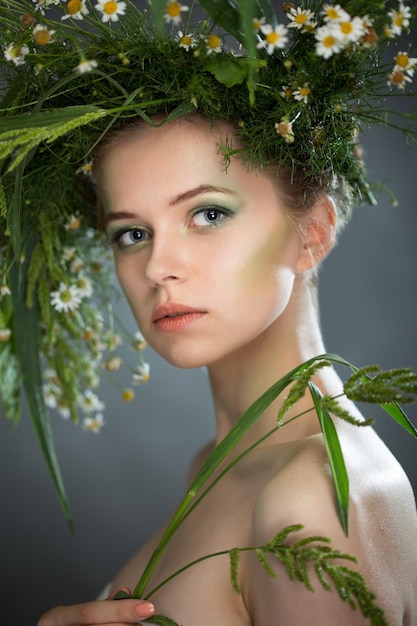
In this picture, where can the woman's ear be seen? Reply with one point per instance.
(318, 233)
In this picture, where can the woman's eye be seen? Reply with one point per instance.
(130, 237)
(209, 217)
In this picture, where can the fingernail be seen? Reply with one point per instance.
(144, 607)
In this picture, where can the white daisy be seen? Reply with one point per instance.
(110, 9)
(139, 342)
(74, 222)
(302, 93)
(65, 298)
(303, 19)
(399, 19)
(285, 130)
(89, 402)
(93, 424)
(173, 12)
(85, 66)
(41, 5)
(398, 79)
(5, 334)
(350, 30)
(213, 43)
(276, 37)
(76, 9)
(76, 265)
(84, 286)
(68, 253)
(335, 13)
(328, 42)
(257, 23)
(4, 291)
(141, 374)
(112, 364)
(185, 41)
(42, 35)
(404, 63)
(16, 53)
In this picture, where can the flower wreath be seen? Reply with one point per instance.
(298, 86)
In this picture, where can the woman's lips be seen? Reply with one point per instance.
(172, 316)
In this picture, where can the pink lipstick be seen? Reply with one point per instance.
(172, 317)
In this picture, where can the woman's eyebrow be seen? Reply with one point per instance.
(197, 191)
(182, 197)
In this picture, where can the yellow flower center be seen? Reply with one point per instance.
(173, 9)
(186, 40)
(328, 41)
(74, 6)
(304, 91)
(213, 41)
(288, 93)
(398, 78)
(301, 18)
(402, 60)
(65, 296)
(110, 7)
(128, 395)
(399, 20)
(332, 14)
(272, 38)
(42, 37)
(74, 223)
(346, 28)
(256, 24)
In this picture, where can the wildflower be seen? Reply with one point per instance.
(5, 334)
(303, 19)
(89, 402)
(84, 286)
(76, 9)
(42, 35)
(327, 42)
(4, 291)
(16, 53)
(88, 333)
(403, 63)
(335, 13)
(77, 265)
(276, 37)
(73, 223)
(93, 424)
(63, 408)
(139, 342)
(27, 20)
(65, 298)
(213, 43)
(257, 23)
(128, 395)
(141, 375)
(68, 253)
(86, 168)
(50, 396)
(40, 5)
(286, 92)
(349, 30)
(112, 364)
(399, 79)
(95, 266)
(111, 9)
(302, 93)
(185, 41)
(399, 19)
(173, 12)
(112, 341)
(85, 66)
(370, 38)
(284, 128)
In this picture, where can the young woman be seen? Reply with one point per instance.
(218, 266)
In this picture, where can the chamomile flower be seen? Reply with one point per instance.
(141, 373)
(85, 66)
(112, 364)
(349, 30)
(274, 37)
(286, 92)
(5, 334)
(399, 19)
(93, 424)
(66, 298)
(41, 5)
(73, 223)
(303, 19)
(4, 291)
(76, 9)
(128, 395)
(398, 79)
(173, 12)
(328, 43)
(185, 41)
(403, 63)
(213, 43)
(42, 35)
(139, 342)
(89, 402)
(16, 53)
(302, 93)
(285, 130)
(335, 13)
(112, 340)
(84, 286)
(110, 9)
(68, 253)
(76, 264)
(257, 23)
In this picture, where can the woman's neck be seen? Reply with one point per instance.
(239, 379)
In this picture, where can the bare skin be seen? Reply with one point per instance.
(253, 318)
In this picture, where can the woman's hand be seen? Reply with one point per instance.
(110, 612)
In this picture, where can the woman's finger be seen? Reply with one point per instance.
(98, 613)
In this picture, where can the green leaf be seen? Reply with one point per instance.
(224, 15)
(9, 382)
(26, 325)
(158, 10)
(160, 620)
(44, 119)
(335, 455)
(228, 70)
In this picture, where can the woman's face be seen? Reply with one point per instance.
(206, 256)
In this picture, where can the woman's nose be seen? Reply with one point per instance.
(166, 262)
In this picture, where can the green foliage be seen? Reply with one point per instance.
(371, 384)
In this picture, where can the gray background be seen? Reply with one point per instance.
(123, 482)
